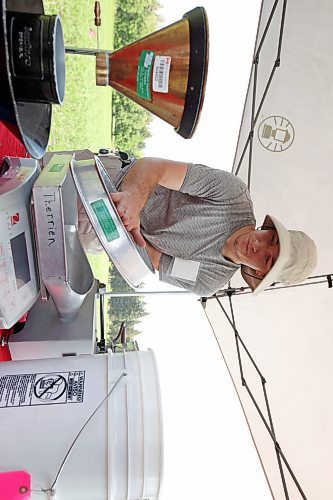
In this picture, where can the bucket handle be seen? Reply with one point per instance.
(51, 491)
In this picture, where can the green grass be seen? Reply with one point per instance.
(84, 120)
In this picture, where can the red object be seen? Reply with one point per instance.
(15, 485)
(10, 145)
(5, 334)
(15, 219)
(4, 347)
(11, 142)
(5, 353)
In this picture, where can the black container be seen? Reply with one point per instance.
(36, 57)
(33, 119)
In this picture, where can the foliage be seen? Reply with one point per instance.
(130, 125)
(133, 20)
(128, 309)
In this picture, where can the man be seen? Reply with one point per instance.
(198, 226)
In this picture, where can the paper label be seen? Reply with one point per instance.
(186, 270)
(35, 389)
(144, 74)
(57, 167)
(161, 74)
(105, 220)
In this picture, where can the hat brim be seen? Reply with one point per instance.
(284, 240)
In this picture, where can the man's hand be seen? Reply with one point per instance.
(129, 207)
(139, 182)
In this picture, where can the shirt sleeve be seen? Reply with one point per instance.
(211, 183)
(118, 179)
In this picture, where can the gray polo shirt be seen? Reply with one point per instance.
(191, 226)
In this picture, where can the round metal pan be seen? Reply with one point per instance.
(93, 186)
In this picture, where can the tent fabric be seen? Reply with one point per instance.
(284, 152)
(294, 356)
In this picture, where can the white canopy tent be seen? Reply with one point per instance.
(284, 153)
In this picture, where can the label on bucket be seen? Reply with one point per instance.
(161, 73)
(104, 218)
(144, 73)
(41, 388)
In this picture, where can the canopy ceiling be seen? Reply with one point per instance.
(285, 153)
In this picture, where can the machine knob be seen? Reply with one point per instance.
(97, 11)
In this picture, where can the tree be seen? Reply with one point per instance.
(134, 19)
(131, 125)
(128, 309)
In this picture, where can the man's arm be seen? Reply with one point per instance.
(137, 185)
(147, 173)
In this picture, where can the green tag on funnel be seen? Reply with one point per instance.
(144, 72)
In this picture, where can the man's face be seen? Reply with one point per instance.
(258, 250)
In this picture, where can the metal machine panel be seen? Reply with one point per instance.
(64, 268)
(45, 335)
(18, 273)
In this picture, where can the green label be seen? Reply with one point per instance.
(57, 167)
(105, 220)
(143, 74)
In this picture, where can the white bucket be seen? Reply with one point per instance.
(45, 403)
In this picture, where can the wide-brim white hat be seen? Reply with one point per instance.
(296, 260)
